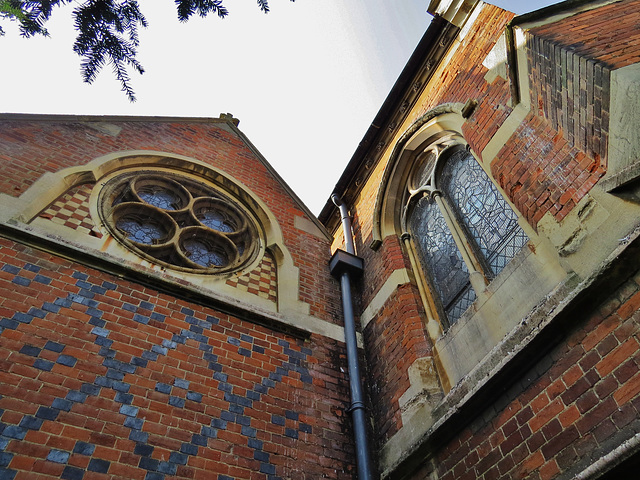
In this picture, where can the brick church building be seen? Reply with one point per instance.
(169, 308)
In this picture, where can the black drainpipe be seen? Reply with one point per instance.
(343, 265)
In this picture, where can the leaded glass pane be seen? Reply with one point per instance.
(482, 210)
(440, 257)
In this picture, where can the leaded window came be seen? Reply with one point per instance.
(178, 222)
(459, 224)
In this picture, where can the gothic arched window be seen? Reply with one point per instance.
(463, 231)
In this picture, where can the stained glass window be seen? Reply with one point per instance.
(179, 222)
(490, 225)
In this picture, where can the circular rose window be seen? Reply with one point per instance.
(178, 222)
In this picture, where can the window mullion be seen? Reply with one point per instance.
(476, 274)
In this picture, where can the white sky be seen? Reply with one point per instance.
(306, 80)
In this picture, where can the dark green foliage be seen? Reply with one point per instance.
(107, 29)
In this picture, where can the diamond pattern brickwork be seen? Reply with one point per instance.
(72, 210)
(262, 281)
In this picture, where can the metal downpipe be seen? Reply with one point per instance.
(357, 408)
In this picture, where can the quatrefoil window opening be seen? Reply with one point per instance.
(178, 222)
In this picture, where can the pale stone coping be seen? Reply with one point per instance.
(418, 431)
(308, 226)
(397, 278)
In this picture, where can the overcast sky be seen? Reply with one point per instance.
(306, 80)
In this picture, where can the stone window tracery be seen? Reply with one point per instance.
(178, 222)
(463, 231)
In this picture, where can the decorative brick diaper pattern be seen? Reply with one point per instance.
(262, 281)
(72, 210)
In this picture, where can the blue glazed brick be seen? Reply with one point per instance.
(143, 450)
(10, 324)
(18, 280)
(233, 341)
(219, 424)
(115, 374)
(66, 360)
(77, 397)
(261, 456)
(50, 307)
(11, 269)
(146, 305)
(199, 440)
(158, 317)
(90, 389)
(36, 312)
(305, 428)
(121, 387)
(80, 276)
(154, 476)
(220, 376)
(63, 302)
(178, 458)
(189, 449)
(101, 332)
(306, 351)
(205, 348)
(291, 415)
(83, 448)
(32, 268)
(129, 307)
(163, 388)
(134, 423)
(191, 320)
(267, 468)
(31, 423)
(216, 367)
(179, 339)
(253, 395)
(159, 350)
(283, 343)
(98, 290)
(187, 311)
(104, 382)
(58, 456)
(129, 411)
(150, 356)
(103, 342)
(42, 279)
(249, 431)
(257, 349)
(5, 459)
(242, 420)
(148, 463)
(94, 312)
(98, 466)
(291, 433)
(43, 364)
(22, 317)
(97, 322)
(72, 473)
(213, 320)
(275, 377)
(261, 389)
(125, 398)
(169, 344)
(224, 477)
(181, 383)
(194, 396)
(83, 284)
(47, 413)
(176, 402)
(62, 404)
(245, 402)
(54, 346)
(141, 319)
(246, 338)
(106, 352)
(228, 416)
(167, 468)
(30, 350)
(306, 378)
(209, 432)
(139, 362)
(255, 443)
(196, 329)
(239, 409)
(245, 352)
(225, 387)
(109, 285)
(137, 436)
(278, 420)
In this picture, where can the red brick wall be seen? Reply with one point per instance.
(102, 376)
(576, 404)
(28, 149)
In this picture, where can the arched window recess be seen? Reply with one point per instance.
(457, 226)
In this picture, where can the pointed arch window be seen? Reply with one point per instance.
(463, 231)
